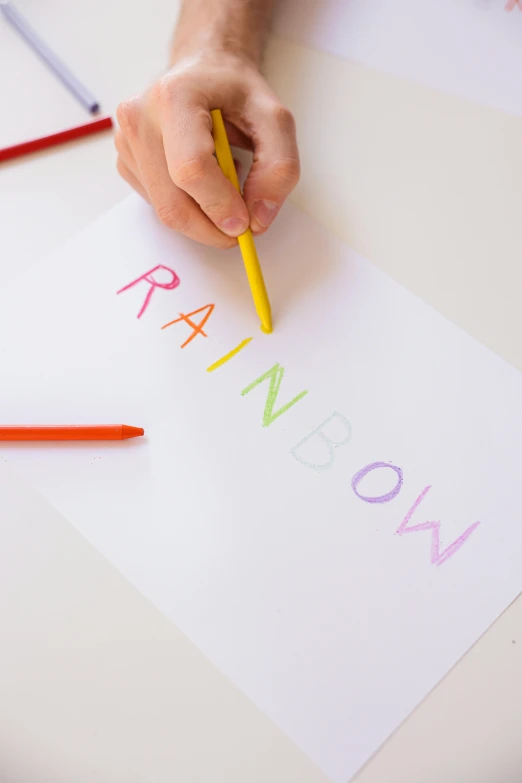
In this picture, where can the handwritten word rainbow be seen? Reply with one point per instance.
(275, 376)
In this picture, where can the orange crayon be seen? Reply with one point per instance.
(70, 432)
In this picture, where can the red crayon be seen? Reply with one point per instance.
(70, 432)
(27, 147)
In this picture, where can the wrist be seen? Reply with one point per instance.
(222, 29)
(212, 50)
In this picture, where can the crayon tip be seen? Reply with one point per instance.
(264, 313)
(131, 432)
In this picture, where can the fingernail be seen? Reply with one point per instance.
(264, 212)
(233, 226)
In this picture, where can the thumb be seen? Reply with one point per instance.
(275, 170)
(189, 150)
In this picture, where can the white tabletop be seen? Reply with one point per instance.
(96, 684)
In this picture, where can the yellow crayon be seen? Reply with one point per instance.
(246, 240)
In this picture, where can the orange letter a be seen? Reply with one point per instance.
(197, 328)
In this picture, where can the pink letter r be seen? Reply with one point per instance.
(149, 278)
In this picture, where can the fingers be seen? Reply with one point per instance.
(131, 179)
(237, 138)
(174, 207)
(126, 165)
(166, 150)
(275, 171)
(189, 150)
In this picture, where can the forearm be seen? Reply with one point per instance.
(228, 26)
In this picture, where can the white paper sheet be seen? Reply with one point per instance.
(469, 48)
(334, 611)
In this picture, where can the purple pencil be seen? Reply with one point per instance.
(80, 92)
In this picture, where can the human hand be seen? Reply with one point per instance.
(165, 147)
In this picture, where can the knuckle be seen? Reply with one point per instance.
(119, 142)
(286, 171)
(123, 171)
(190, 172)
(284, 119)
(168, 89)
(173, 217)
(128, 116)
(217, 209)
